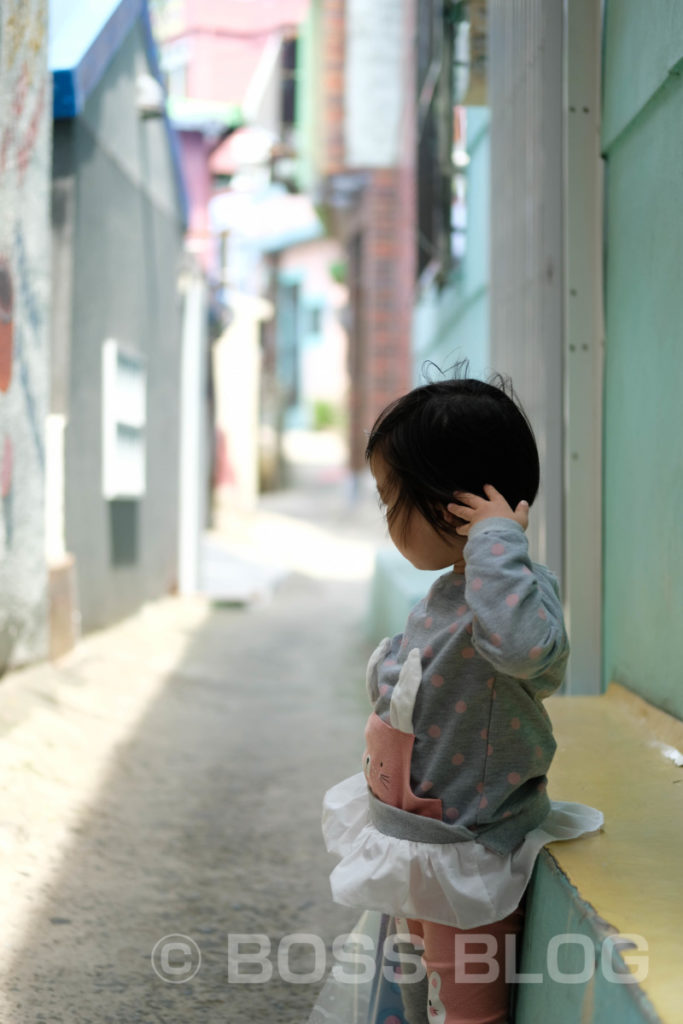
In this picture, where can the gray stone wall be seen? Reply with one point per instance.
(25, 124)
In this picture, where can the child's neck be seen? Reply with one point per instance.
(458, 555)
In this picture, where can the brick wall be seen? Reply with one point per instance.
(390, 267)
(380, 237)
(333, 54)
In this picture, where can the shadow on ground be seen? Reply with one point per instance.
(208, 824)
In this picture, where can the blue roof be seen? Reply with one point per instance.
(84, 36)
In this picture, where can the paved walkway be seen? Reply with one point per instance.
(165, 778)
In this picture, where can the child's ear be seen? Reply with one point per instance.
(452, 519)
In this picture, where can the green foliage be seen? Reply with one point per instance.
(339, 271)
(325, 415)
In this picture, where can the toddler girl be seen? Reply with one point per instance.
(442, 827)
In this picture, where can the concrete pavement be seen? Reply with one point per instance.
(165, 779)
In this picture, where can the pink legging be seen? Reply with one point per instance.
(456, 959)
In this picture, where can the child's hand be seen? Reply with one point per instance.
(474, 508)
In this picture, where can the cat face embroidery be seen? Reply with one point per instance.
(378, 776)
(389, 746)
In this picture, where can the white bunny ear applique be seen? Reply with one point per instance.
(405, 692)
(378, 655)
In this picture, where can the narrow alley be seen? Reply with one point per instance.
(165, 779)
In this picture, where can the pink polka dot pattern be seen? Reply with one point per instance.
(428, 651)
(458, 758)
(483, 803)
(514, 778)
(512, 600)
(490, 682)
(468, 652)
(489, 750)
(425, 786)
(496, 640)
(461, 707)
(452, 813)
(468, 628)
(542, 787)
(461, 609)
(535, 653)
(515, 723)
(498, 549)
(453, 628)
(484, 734)
(538, 752)
(384, 689)
(526, 570)
(480, 787)
(477, 583)
(434, 731)
(429, 622)
(542, 613)
(507, 814)
(437, 680)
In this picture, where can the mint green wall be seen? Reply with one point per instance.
(454, 323)
(307, 126)
(643, 426)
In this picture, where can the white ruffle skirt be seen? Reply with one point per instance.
(460, 883)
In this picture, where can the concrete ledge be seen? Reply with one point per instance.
(620, 754)
(65, 617)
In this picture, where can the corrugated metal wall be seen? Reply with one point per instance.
(527, 200)
(643, 488)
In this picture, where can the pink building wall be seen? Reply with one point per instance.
(226, 39)
(224, 42)
(195, 151)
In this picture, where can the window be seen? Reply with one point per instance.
(435, 138)
(288, 105)
(124, 416)
(174, 61)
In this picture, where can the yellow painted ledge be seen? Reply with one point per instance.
(618, 753)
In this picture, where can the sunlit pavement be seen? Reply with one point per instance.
(323, 525)
(165, 779)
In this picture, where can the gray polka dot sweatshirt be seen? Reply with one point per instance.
(492, 645)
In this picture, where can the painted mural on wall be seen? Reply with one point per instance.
(25, 155)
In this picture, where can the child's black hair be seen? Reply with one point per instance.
(454, 435)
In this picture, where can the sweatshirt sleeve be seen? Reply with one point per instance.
(518, 623)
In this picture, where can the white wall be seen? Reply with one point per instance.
(375, 56)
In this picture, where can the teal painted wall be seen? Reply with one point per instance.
(643, 424)
(454, 322)
(562, 956)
